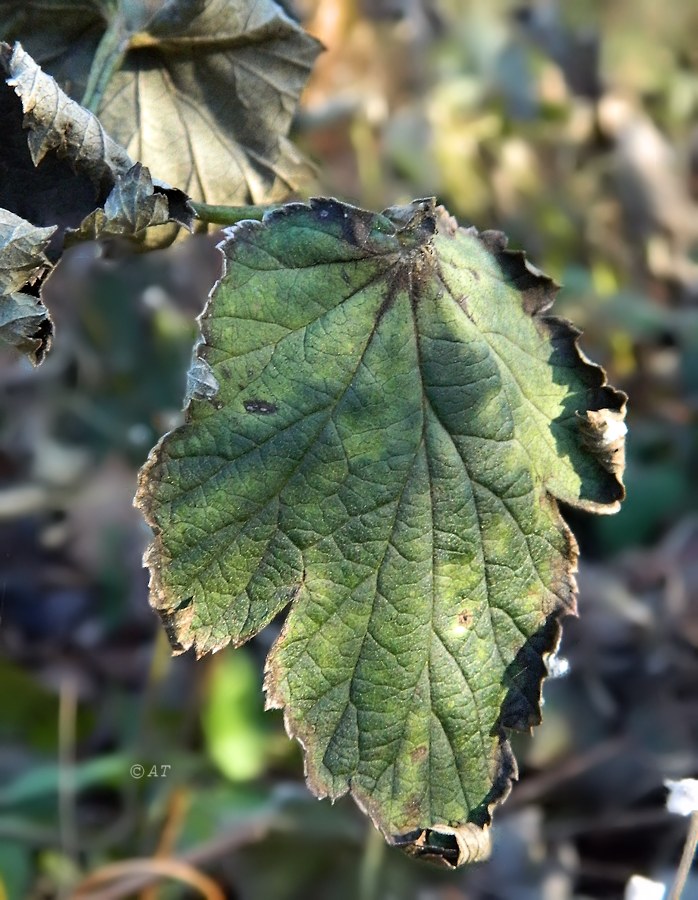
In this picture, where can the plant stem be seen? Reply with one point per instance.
(689, 851)
(108, 58)
(67, 722)
(369, 874)
(229, 215)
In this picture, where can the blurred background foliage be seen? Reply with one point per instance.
(574, 128)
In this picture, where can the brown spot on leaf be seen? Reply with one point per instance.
(419, 753)
(412, 807)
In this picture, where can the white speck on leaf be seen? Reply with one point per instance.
(614, 430)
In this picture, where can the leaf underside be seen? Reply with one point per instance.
(381, 417)
(207, 100)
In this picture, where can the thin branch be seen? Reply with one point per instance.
(91, 887)
(134, 881)
(67, 718)
(369, 873)
(689, 851)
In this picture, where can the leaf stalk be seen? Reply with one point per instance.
(229, 215)
(108, 58)
(371, 864)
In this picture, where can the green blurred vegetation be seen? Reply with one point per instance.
(574, 128)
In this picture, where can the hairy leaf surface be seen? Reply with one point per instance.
(382, 416)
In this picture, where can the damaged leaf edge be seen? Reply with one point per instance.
(201, 384)
(470, 842)
(602, 424)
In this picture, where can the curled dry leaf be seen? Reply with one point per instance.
(24, 320)
(130, 209)
(124, 200)
(61, 170)
(388, 418)
(57, 123)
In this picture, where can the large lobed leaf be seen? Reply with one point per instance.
(382, 416)
(204, 95)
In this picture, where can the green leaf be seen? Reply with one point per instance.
(15, 870)
(24, 320)
(382, 416)
(205, 92)
(45, 779)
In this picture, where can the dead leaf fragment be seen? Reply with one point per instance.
(24, 320)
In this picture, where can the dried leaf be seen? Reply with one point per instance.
(131, 207)
(57, 125)
(24, 320)
(206, 92)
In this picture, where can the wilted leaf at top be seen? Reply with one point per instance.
(205, 94)
(388, 416)
(57, 123)
(55, 126)
(52, 194)
(24, 320)
(131, 207)
(206, 99)
(62, 180)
